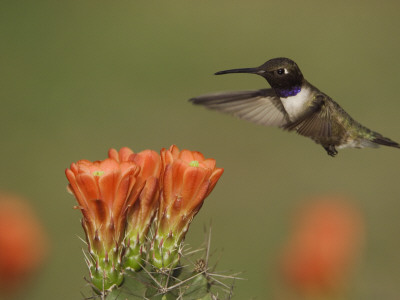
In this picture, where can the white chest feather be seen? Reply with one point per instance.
(296, 105)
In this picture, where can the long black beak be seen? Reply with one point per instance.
(244, 70)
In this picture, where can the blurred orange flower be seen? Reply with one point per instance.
(23, 243)
(102, 189)
(325, 243)
(144, 197)
(187, 179)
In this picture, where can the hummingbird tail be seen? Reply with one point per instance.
(385, 141)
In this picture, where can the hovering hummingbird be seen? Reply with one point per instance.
(294, 104)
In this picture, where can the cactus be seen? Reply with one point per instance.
(192, 279)
(105, 269)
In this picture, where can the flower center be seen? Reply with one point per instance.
(98, 173)
(194, 163)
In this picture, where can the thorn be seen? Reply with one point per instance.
(208, 246)
(82, 239)
(151, 276)
(88, 262)
(184, 281)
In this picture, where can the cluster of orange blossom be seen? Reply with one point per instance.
(122, 196)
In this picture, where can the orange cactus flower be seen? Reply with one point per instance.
(102, 189)
(324, 245)
(187, 179)
(144, 197)
(23, 244)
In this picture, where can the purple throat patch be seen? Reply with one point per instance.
(289, 92)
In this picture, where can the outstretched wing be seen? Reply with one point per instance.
(261, 106)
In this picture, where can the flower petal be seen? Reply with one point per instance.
(124, 154)
(209, 163)
(214, 179)
(108, 184)
(178, 170)
(198, 156)
(194, 187)
(88, 186)
(149, 162)
(186, 155)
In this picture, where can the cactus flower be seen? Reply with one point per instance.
(23, 245)
(102, 189)
(325, 243)
(187, 179)
(144, 197)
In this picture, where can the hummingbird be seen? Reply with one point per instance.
(293, 104)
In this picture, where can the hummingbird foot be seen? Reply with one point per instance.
(331, 150)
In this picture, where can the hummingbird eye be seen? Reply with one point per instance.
(280, 71)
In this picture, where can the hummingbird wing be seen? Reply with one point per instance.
(313, 122)
(327, 123)
(319, 121)
(261, 106)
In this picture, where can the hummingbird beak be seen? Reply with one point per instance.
(257, 71)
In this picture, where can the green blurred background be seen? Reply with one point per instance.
(79, 77)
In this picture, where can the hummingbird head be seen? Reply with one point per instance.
(281, 73)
